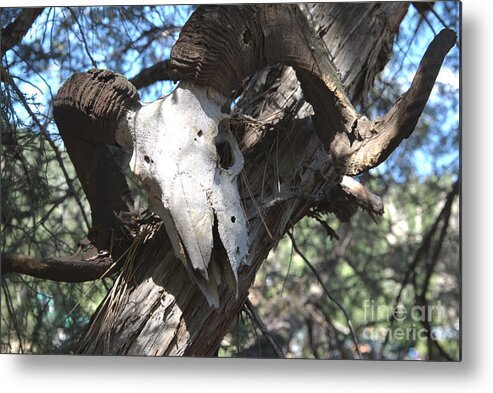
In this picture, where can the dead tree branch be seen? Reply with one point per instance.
(379, 138)
(424, 248)
(67, 269)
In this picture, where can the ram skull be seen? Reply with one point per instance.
(174, 143)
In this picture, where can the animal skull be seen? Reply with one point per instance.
(174, 143)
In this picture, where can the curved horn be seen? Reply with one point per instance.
(92, 104)
(91, 110)
(219, 46)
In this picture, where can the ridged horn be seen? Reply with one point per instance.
(90, 111)
(219, 46)
(90, 105)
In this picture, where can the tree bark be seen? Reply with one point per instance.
(153, 308)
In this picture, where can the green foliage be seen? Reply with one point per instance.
(40, 217)
(364, 270)
(39, 316)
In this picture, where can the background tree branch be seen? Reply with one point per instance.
(78, 268)
(13, 33)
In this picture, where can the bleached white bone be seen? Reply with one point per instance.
(174, 153)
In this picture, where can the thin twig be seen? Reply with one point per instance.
(48, 85)
(422, 298)
(40, 222)
(420, 253)
(84, 42)
(287, 274)
(252, 312)
(245, 181)
(327, 292)
(71, 190)
(12, 313)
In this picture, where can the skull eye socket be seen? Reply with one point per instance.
(226, 156)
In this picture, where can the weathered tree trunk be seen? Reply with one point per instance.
(154, 308)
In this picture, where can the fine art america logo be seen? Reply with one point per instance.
(416, 319)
